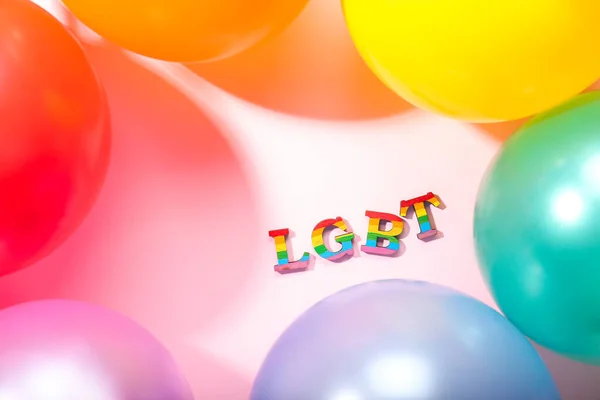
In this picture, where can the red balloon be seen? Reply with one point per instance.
(54, 134)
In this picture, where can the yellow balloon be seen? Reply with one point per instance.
(480, 60)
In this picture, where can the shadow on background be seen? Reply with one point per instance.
(575, 380)
(171, 240)
(310, 70)
(210, 377)
(501, 131)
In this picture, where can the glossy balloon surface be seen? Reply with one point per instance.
(186, 30)
(537, 228)
(480, 61)
(398, 339)
(54, 134)
(67, 350)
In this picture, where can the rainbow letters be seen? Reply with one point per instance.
(376, 236)
(418, 203)
(283, 262)
(379, 241)
(345, 239)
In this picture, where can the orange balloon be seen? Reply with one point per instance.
(186, 30)
(312, 70)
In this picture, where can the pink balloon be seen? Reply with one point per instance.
(68, 350)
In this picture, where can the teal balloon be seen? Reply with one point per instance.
(537, 229)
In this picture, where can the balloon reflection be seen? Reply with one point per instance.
(568, 206)
(56, 378)
(404, 376)
(591, 172)
(346, 395)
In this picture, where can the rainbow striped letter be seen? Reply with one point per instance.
(284, 265)
(425, 225)
(344, 239)
(376, 235)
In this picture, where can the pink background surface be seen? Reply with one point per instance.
(178, 239)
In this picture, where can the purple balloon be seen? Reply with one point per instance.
(397, 339)
(69, 350)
